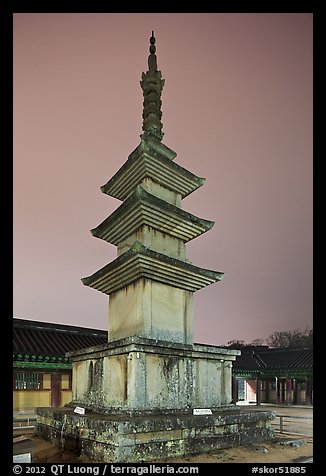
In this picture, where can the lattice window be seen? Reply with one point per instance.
(27, 381)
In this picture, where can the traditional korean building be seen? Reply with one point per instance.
(42, 374)
(279, 376)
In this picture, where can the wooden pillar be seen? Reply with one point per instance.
(308, 391)
(288, 390)
(311, 396)
(258, 391)
(234, 389)
(55, 389)
(267, 387)
(295, 391)
(277, 390)
(282, 391)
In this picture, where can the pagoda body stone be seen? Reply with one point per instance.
(140, 390)
(150, 287)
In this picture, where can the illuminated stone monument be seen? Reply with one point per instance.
(151, 392)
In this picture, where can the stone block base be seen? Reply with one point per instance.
(150, 438)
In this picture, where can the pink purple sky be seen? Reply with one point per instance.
(237, 109)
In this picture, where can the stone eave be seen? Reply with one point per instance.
(147, 162)
(141, 262)
(140, 344)
(143, 208)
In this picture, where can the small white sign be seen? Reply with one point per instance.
(22, 458)
(80, 410)
(202, 411)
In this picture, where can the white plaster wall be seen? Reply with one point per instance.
(146, 380)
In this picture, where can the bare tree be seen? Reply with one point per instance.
(293, 338)
(257, 342)
(237, 343)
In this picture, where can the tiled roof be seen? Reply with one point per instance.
(287, 358)
(266, 360)
(42, 338)
(248, 361)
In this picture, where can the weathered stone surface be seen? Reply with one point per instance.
(151, 310)
(161, 192)
(148, 438)
(155, 240)
(252, 435)
(137, 374)
(210, 444)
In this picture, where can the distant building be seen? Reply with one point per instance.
(280, 376)
(41, 371)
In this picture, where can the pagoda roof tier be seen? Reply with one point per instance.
(154, 160)
(143, 208)
(141, 262)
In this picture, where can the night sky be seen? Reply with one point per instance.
(237, 109)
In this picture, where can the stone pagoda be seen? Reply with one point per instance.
(151, 392)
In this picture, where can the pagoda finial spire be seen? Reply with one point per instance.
(152, 60)
(152, 86)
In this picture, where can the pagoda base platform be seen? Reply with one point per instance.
(152, 436)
